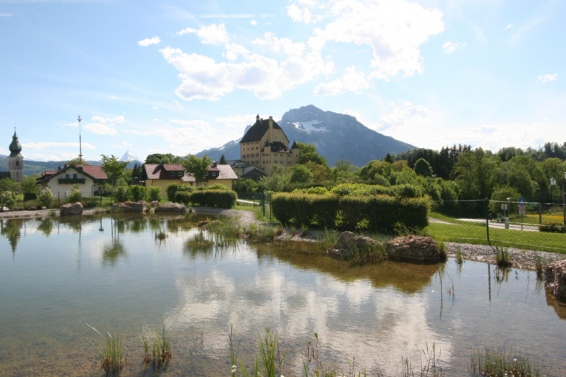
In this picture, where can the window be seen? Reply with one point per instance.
(180, 174)
(67, 176)
(74, 176)
(172, 174)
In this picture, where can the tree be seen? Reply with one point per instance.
(29, 187)
(300, 174)
(113, 168)
(422, 167)
(77, 161)
(307, 152)
(198, 167)
(222, 160)
(167, 158)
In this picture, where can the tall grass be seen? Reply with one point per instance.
(502, 257)
(495, 363)
(111, 356)
(158, 351)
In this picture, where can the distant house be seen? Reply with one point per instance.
(162, 175)
(266, 145)
(245, 170)
(88, 178)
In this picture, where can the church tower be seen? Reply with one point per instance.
(16, 160)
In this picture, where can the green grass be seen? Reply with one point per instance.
(503, 363)
(474, 233)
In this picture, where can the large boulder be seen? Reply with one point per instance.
(171, 207)
(555, 279)
(71, 209)
(414, 249)
(350, 246)
(129, 207)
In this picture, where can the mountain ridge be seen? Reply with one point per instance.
(335, 136)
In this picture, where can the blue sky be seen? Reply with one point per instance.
(182, 76)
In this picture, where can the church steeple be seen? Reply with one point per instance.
(16, 160)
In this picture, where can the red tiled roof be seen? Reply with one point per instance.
(162, 171)
(95, 171)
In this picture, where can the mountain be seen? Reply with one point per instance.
(335, 136)
(129, 158)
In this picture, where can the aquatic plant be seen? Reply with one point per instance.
(111, 356)
(498, 363)
(459, 256)
(160, 235)
(160, 354)
(442, 254)
(540, 262)
(502, 257)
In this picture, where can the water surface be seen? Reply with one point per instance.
(57, 276)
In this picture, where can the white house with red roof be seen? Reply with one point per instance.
(88, 178)
(162, 175)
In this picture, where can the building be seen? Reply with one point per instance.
(266, 145)
(16, 160)
(163, 175)
(89, 179)
(244, 170)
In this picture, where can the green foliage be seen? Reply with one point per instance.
(172, 191)
(307, 152)
(198, 167)
(121, 194)
(154, 194)
(500, 195)
(502, 257)
(75, 195)
(8, 184)
(29, 185)
(137, 192)
(8, 199)
(113, 167)
(214, 198)
(422, 167)
(158, 158)
(46, 197)
(300, 174)
(183, 197)
(245, 185)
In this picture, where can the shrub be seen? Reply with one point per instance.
(75, 195)
(137, 192)
(46, 197)
(172, 191)
(183, 197)
(552, 228)
(8, 199)
(121, 194)
(214, 198)
(154, 194)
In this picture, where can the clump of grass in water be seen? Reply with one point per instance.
(261, 233)
(111, 357)
(313, 367)
(160, 354)
(459, 256)
(271, 357)
(442, 254)
(225, 232)
(500, 363)
(160, 235)
(502, 257)
(540, 262)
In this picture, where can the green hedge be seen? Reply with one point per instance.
(214, 198)
(379, 213)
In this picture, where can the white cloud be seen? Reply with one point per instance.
(149, 41)
(508, 26)
(449, 47)
(116, 119)
(253, 22)
(394, 30)
(101, 129)
(214, 34)
(299, 14)
(281, 44)
(547, 78)
(6, 15)
(352, 81)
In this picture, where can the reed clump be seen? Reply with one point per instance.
(496, 363)
(157, 351)
(540, 263)
(111, 358)
(459, 256)
(502, 257)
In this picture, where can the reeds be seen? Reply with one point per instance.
(540, 263)
(495, 363)
(459, 256)
(111, 356)
(442, 253)
(158, 353)
(502, 257)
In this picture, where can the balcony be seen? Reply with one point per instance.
(72, 181)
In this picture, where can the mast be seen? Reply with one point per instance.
(80, 143)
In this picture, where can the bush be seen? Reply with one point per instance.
(183, 197)
(172, 191)
(214, 198)
(552, 228)
(46, 197)
(121, 194)
(137, 192)
(154, 194)
(75, 195)
(8, 199)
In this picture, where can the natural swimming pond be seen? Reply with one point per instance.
(58, 275)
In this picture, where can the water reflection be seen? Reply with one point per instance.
(11, 229)
(46, 226)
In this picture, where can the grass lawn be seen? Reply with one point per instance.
(476, 233)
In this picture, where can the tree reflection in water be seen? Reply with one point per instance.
(115, 250)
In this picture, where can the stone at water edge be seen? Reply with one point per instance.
(129, 207)
(171, 207)
(414, 249)
(348, 244)
(71, 209)
(555, 279)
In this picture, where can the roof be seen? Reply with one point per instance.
(256, 132)
(94, 172)
(226, 172)
(162, 171)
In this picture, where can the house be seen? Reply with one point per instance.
(266, 145)
(245, 170)
(88, 178)
(162, 175)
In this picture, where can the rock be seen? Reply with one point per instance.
(349, 246)
(71, 209)
(555, 279)
(129, 207)
(155, 204)
(414, 249)
(171, 207)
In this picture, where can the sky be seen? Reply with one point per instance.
(183, 76)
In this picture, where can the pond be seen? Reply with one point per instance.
(60, 279)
